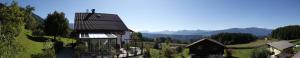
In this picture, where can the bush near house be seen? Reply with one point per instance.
(166, 52)
(261, 52)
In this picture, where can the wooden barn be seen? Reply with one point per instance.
(206, 48)
(101, 33)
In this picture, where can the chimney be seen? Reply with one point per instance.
(93, 10)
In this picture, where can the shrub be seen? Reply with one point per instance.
(261, 52)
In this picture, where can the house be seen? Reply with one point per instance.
(206, 48)
(101, 33)
(281, 49)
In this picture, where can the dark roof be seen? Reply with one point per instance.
(212, 40)
(98, 22)
(281, 45)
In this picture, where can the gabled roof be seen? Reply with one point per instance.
(98, 21)
(281, 45)
(212, 40)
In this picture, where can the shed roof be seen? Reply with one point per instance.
(98, 21)
(281, 45)
(212, 40)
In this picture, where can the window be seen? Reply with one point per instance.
(84, 35)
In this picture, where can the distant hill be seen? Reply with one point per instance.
(194, 34)
(38, 18)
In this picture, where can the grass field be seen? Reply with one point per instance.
(30, 47)
(34, 47)
(242, 53)
(245, 50)
(251, 44)
(296, 42)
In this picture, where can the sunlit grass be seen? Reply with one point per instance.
(251, 44)
(30, 47)
(33, 47)
(242, 53)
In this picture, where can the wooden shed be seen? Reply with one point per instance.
(206, 48)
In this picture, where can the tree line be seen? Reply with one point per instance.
(286, 33)
(234, 38)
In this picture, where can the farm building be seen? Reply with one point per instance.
(206, 48)
(281, 49)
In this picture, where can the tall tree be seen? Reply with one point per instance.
(11, 24)
(30, 21)
(56, 24)
(137, 35)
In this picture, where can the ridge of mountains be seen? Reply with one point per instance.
(194, 34)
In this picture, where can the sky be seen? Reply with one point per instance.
(172, 15)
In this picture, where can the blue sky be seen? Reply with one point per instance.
(159, 15)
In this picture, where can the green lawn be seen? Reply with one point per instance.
(30, 47)
(34, 47)
(251, 44)
(297, 49)
(245, 50)
(242, 53)
(62, 39)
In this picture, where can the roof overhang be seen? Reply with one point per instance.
(281, 45)
(214, 41)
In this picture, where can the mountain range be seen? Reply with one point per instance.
(192, 34)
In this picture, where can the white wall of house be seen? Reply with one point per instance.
(126, 36)
(276, 52)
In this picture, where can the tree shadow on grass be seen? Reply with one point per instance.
(37, 39)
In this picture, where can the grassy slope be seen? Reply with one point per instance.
(30, 47)
(33, 47)
(296, 42)
(62, 39)
(245, 53)
(242, 53)
(251, 44)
